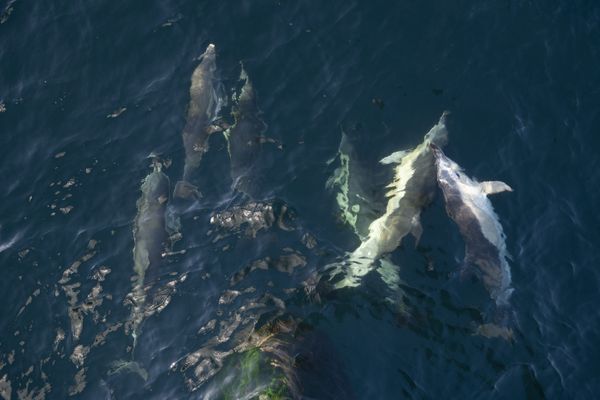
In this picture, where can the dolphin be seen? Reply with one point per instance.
(243, 138)
(149, 235)
(205, 104)
(348, 182)
(468, 205)
(412, 188)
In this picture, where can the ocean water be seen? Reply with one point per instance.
(88, 89)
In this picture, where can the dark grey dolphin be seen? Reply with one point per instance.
(468, 205)
(245, 139)
(150, 236)
(205, 104)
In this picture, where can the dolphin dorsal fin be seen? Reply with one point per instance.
(394, 158)
(493, 187)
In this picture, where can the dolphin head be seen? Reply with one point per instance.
(209, 58)
(447, 170)
(437, 152)
(442, 162)
(210, 51)
(438, 135)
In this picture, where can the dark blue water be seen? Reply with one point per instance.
(89, 88)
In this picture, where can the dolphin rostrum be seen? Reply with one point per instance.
(203, 110)
(411, 189)
(468, 205)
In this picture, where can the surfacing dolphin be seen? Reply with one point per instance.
(205, 103)
(150, 236)
(468, 205)
(411, 189)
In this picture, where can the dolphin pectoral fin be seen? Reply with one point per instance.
(186, 190)
(416, 229)
(493, 187)
(394, 158)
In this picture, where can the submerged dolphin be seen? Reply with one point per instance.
(149, 235)
(468, 205)
(205, 104)
(411, 189)
(244, 138)
(348, 182)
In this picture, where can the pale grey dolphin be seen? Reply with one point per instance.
(202, 113)
(150, 236)
(468, 205)
(411, 189)
(243, 138)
